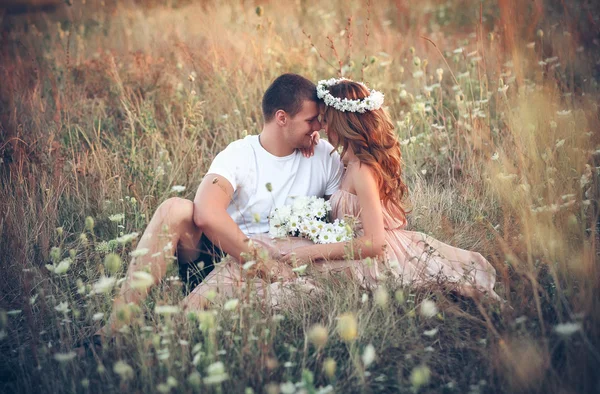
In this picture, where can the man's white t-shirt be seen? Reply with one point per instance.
(249, 168)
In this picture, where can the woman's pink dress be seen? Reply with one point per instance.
(412, 258)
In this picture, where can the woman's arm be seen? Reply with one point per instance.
(371, 244)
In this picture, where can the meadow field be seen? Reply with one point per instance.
(107, 108)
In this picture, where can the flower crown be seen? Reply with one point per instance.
(370, 103)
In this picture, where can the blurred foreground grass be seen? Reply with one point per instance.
(108, 107)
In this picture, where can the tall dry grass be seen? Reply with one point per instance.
(104, 109)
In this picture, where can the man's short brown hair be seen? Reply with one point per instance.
(287, 92)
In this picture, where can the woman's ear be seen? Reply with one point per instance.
(281, 117)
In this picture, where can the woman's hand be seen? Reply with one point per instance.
(296, 256)
(309, 152)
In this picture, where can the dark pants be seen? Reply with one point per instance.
(192, 274)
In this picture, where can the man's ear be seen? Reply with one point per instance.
(281, 117)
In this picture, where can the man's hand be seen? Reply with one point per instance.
(309, 152)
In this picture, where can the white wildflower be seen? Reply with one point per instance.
(64, 357)
(178, 188)
(567, 329)
(368, 355)
(141, 280)
(63, 307)
(166, 309)
(127, 238)
(104, 285)
(231, 304)
(428, 309)
(118, 217)
(430, 333)
(139, 252)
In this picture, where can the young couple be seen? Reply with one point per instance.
(258, 173)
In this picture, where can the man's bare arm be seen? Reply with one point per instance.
(210, 215)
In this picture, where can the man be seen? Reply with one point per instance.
(245, 182)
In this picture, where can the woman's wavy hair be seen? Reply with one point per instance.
(373, 140)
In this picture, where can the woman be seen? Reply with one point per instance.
(372, 190)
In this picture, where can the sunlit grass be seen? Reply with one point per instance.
(109, 112)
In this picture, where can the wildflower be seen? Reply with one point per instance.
(178, 188)
(216, 373)
(560, 143)
(166, 309)
(139, 252)
(399, 296)
(231, 305)
(112, 263)
(89, 223)
(55, 254)
(430, 333)
(418, 74)
(564, 112)
(420, 376)
(119, 217)
(364, 298)
(495, 156)
(301, 269)
(141, 280)
(59, 230)
(381, 297)
(318, 335)
(63, 266)
(368, 355)
(123, 369)
(195, 380)
(63, 307)
(64, 357)
(97, 316)
(104, 285)
(440, 74)
(567, 329)
(428, 309)
(329, 366)
(127, 238)
(347, 327)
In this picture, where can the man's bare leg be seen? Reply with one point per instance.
(171, 229)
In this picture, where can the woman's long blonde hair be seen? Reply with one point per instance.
(373, 140)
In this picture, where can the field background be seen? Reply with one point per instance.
(105, 106)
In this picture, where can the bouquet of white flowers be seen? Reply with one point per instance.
(307, 218)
